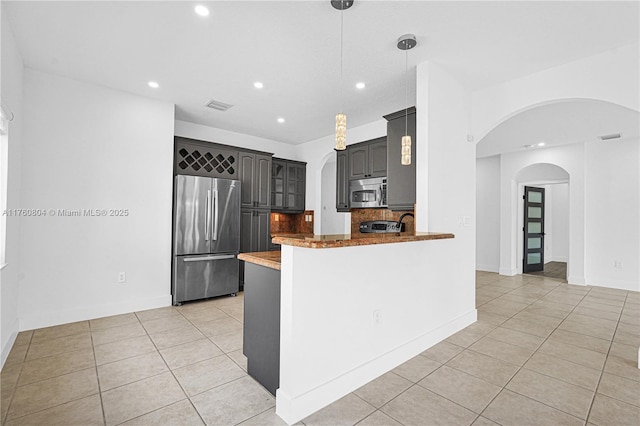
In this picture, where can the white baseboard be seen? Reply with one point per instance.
(612, 283)
(9, 344)
(293, 409)
(557, 259)
(576, 280)
(488, 268)
(508, 271)
(47, 319)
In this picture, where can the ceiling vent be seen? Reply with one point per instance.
(611, 136)
(217, 105)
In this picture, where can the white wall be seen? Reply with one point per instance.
(317, 152)
(603, 207)
(611, 76)
(329, 344)
(89, 147)
(559, 226)
(488, 214)
(11, 96)
(226, 137)
(571, 159)
(446, 167)
(612, 210)
(332, 220)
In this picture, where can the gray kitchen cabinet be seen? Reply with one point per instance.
(200, 158)
(401, 180)
(288, 186)
(368, 159)
(342, 181)
(261, 326)
(255, 177)
(255, 234)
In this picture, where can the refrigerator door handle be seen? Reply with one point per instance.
(215, 214)
(207, 219)
(207, 258)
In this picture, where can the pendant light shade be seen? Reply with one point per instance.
(341, 117)
(405, 158)
(406, 42)
(341, 131)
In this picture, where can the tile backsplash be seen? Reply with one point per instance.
(363, 215)
(285, 223)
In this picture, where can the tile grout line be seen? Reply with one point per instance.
(15, 387)
(534, 352)
(95, 365)
(605, 361)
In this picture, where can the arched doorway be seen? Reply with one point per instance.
(567, 134)
(549, 249)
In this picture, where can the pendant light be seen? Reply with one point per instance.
(406, 42)
(341, 117)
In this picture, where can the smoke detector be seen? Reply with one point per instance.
(217, 105)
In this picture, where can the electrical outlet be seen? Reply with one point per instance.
(618, 264)
(377, 317)
(122, 277)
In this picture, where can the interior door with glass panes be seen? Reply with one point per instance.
(533, 229)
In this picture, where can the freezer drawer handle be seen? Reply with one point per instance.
(204, 259)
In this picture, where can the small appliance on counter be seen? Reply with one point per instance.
(381, 227)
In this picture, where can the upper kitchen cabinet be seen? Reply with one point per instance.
(368, 159)
(401, 180)
(342, 181)
(255, 176)
(199, 158)
(288, 186)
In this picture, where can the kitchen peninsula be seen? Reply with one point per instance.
(352, 307)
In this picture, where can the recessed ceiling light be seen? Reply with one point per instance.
(153, 84)
(201, 10)
(541, 144)
(280, 120)
(258, 85)
(360, 85)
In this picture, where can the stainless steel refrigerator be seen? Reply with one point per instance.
(206, 238)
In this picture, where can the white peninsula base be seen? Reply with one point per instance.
(350, 314)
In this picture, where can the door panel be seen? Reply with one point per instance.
(342, 181)
(263, 181)
(200, 277)
(378, 159)
(247, 170)
(225, 212)
(191, 233)
(358, 162)
(533, 229)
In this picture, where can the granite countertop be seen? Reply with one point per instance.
(269, 259)
(349, 240)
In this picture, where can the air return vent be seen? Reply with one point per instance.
(217, 105)
(611, 136)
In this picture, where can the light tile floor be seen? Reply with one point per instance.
(542, 352)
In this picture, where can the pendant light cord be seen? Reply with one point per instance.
(341, 53)
(406, 90)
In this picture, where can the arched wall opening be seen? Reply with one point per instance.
(604, 187)
(556, 182)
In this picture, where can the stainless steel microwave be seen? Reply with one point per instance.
(368, 193)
